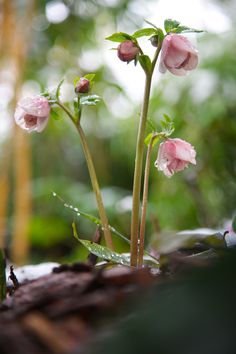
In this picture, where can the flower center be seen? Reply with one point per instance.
(185, 62)
(30, 120)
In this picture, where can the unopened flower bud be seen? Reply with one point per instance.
(82, 86)
(127, 51)
(154, 40)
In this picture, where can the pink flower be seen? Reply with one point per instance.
(127, 51)
(178, 55)
(174, 155)
(32, 113)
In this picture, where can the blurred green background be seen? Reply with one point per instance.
(66, 39)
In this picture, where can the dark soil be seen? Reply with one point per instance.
(83, 309)
(60, 312)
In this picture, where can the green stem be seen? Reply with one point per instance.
(3, 286)
(145, 200)
(93, 176)
(139, 162)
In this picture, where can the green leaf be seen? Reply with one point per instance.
(102, 251)
(184, 29)
(170, 24)
(90, 100)
(96, 221)
(119, 37)
(155, 140)
(145, 62)
(90, 217)
(170, 242)
(174, 27)
(151, 124)
(160, 34)
(144, 32)
(58, 91)
(89, 77)
(167, 118)
(167, 126)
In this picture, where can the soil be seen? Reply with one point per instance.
(60, 312)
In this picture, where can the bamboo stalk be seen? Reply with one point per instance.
(22, 150)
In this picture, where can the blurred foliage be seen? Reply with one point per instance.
(191, 312)
(202, 105)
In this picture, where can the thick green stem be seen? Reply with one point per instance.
(144, 204)
(3, 286)
(139, 162)
(138, 173)
(93, 177)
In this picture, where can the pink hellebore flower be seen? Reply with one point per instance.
(174, 155)
(178, 55)
(127, 51)
(32, 113)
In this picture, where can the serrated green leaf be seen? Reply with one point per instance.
(184, 29)
(144, 32)
(145, 62)
(89, 77)
(119, 37)
(164, 124)
(58, 90)
(167, 118)
(102, 251)
(90, 100)
(169, 24)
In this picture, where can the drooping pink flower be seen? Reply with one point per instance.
(32, 113)
(178, 55)
(174, 155)
(127, 51)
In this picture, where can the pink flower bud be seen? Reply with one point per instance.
(127, 51)
(178, 55)
(32, 113)
(82, 86)
(174, 155)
